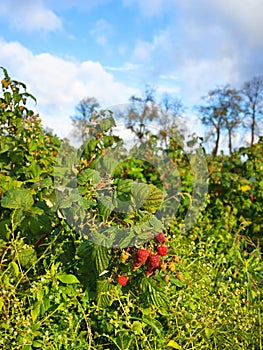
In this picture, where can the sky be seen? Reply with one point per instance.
(66, 50)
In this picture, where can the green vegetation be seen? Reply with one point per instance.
(85, 261)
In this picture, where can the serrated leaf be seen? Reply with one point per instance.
(89, 174)
(124, 187)
(106, 124)
(27, 257)
(154, 199)
(68, 279)
(17, 198)
(154, 296)
(100, 257)
(123, 238)
(105, 207)
(140, 192)
(104, 298)
(85, 249)
(17, 216)
(107, 164)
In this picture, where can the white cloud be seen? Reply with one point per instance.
(102, 32)
(59, 84)
(246, 17)
(151, 7)
(127, 67)
(209, 43)
(160, 46)
(29, 15)
(199, 75)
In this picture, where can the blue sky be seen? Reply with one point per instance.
(66, 50)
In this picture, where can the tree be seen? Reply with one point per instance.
(142, 111)
(86, 110)
(233, 112)
(252, 92)
(170, 114)
(221, 112)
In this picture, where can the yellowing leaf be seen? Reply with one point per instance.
(174, 345)
(1, 303)
(245, 188)
(14, 268)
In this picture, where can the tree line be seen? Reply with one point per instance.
(223, 111)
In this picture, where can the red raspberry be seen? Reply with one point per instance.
(162, 250)
(160, 237)
(140, 257)
(122, 280)
(152, 262)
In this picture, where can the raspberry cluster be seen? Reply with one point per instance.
(151, 257)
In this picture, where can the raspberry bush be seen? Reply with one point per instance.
(123, 281)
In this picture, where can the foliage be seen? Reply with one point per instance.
(221, 112)
(236, 183)
(252, 92)
(70, 275)
(85, 113)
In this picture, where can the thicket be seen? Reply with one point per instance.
(85, 261)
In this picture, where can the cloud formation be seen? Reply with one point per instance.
(29, 15)
(102, 32)
(59, 84)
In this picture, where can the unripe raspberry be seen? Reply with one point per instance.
(179, 276)
(171, 266)
(124, 256)
(163, 265)
(176, 258)
(167, 278)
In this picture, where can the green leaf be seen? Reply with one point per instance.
(107, 164)
(208, 332)
(1, 303)
(154, 199)
(156, 325)
(14, 268)
(89, 174)
(106, 124)
(35, 311)
(105, 207)
(68, 279)
(152, 294)
(124, 187)
(104, 298)
(17, 198)
(37, 344)
(27, 257)
(100, 257)
(5, 73)
(140, 192)
(27, 94)
(137, 327)
(174, 345)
